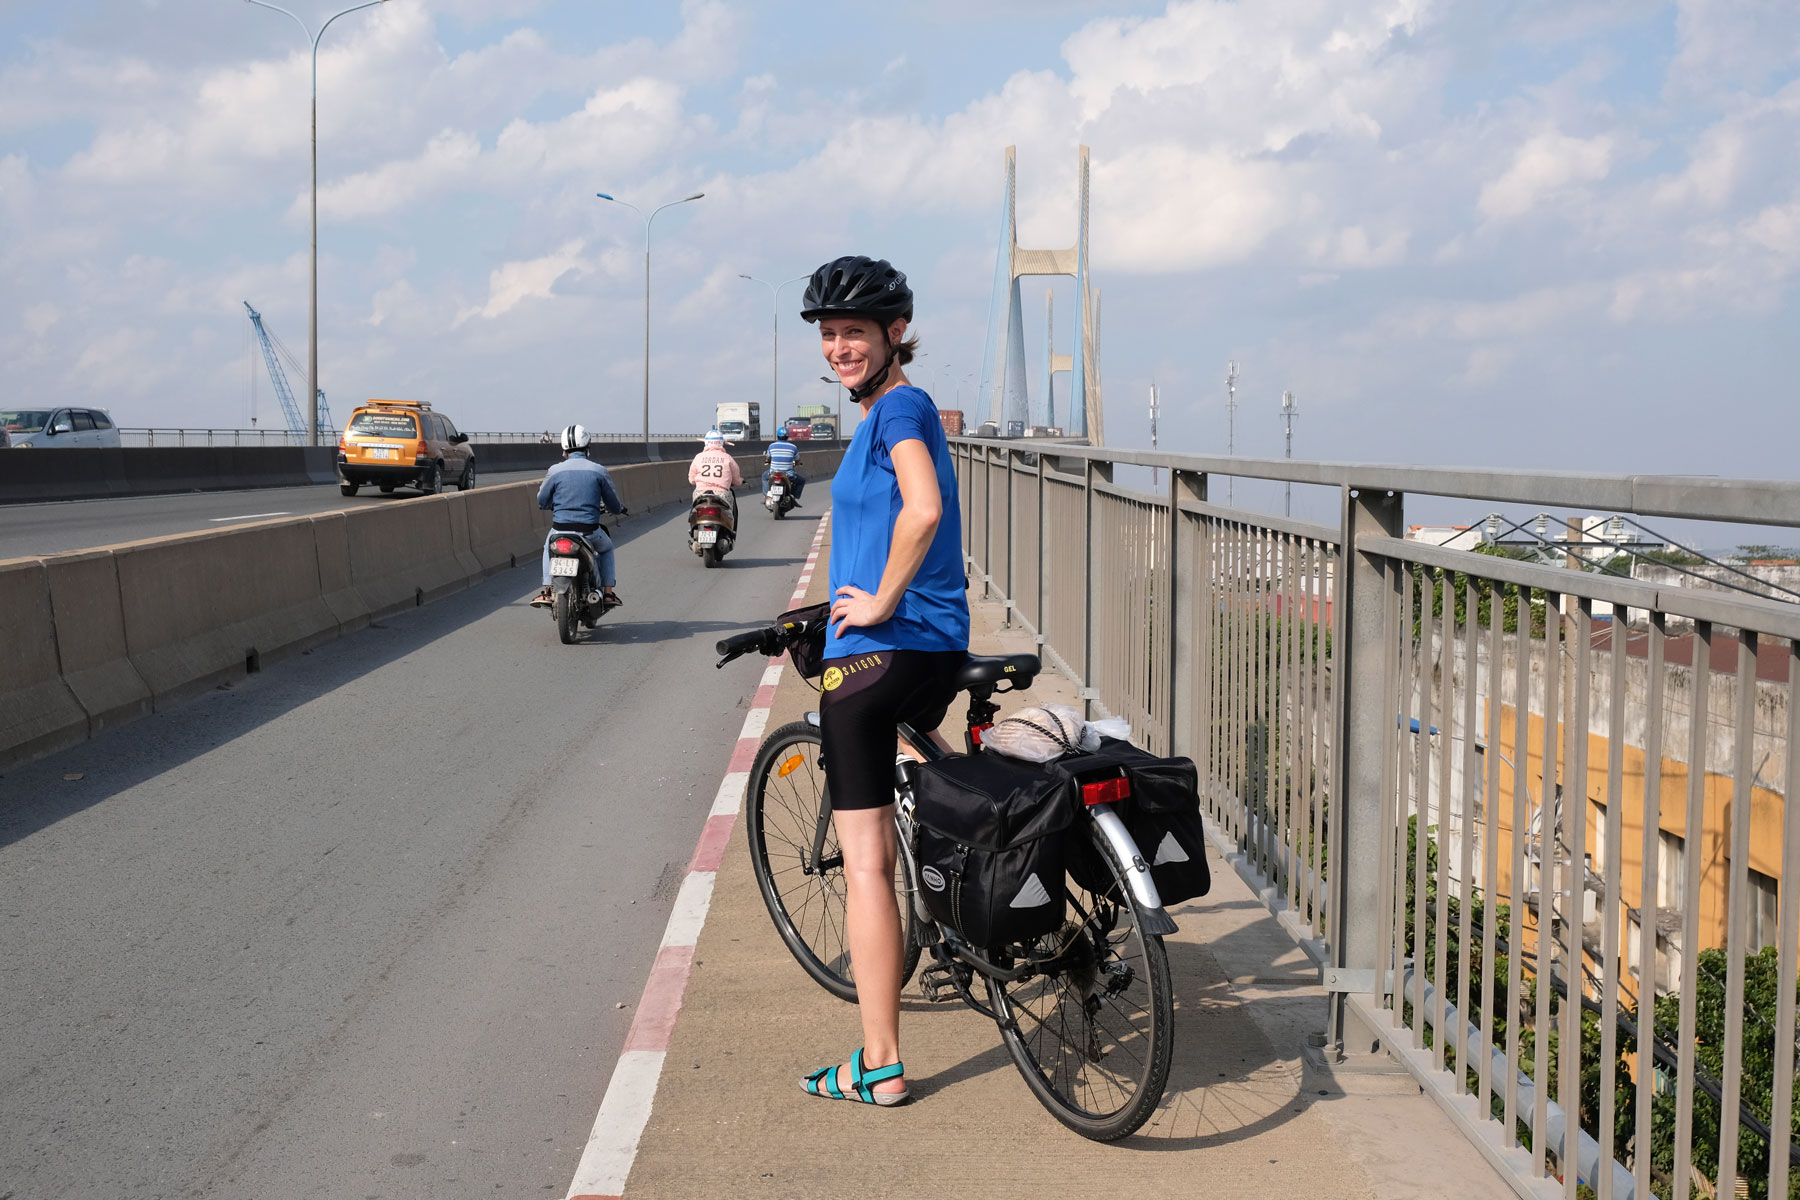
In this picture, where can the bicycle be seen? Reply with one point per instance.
(1086, 1012)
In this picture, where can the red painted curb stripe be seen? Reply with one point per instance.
(661, 1001)
(710, 853)
(743, 755)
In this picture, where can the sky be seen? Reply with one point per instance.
(1547, 234)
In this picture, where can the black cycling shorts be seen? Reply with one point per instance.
(862, 699)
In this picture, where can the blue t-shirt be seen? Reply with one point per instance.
(782, 456)
(865, 499)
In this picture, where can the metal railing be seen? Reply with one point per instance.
(283, 437)
(1531, 821)
(548, 437)
(210, 437)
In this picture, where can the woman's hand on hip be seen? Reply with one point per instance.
(855, 607)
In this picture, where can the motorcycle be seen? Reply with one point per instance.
(779, 499)
(712, 527)
(575, 595)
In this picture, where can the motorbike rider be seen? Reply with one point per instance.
(714, 471)
(579, 491)
(782, 455)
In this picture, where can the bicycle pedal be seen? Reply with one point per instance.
(939, 984)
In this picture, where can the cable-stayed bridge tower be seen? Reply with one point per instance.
(1005, 393)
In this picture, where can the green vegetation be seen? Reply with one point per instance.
(1759, 1037)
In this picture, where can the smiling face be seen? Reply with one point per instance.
(853, 347)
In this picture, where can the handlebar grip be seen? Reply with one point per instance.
(742, 643)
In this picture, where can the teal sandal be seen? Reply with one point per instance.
(823, 1082)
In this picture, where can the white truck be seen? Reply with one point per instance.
(739, 422)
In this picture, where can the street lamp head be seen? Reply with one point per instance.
(604, 196)
(751, 278)
(695, 196)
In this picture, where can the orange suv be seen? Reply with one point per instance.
(396, 443)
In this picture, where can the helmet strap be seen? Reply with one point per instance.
(873, 383)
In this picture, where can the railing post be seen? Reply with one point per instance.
(1012, 566)
(1043, 571)
(1184, 596)
(1366, 719)
(987, 521)
(1103, 471)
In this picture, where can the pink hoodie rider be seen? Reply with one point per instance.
(715, 471)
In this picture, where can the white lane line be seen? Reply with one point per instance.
(249, 517)
(731, 794)
(689, 914)
(612, 1147)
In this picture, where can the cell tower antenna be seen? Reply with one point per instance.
(1289, 410)
(1230, 425)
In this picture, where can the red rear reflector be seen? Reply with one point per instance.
(1107, 791)
(562, 546)
(712, 513)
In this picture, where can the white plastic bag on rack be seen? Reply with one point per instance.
(1042, 734)
(1117, 728)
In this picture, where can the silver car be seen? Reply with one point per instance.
(58, 428)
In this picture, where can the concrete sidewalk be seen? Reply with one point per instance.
(1241, 1117)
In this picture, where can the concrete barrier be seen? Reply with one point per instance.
(201, 608)
(33, 476)
(89, 611)
(331, 542)
(100, 637)
(404, 555)
(503, 525)
(38, 712)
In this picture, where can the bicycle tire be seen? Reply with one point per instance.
(781, 813)
(1056, 1027)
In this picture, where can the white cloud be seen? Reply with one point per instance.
(512, 283)
(1543, 167)
(40, 317)
(447, 162)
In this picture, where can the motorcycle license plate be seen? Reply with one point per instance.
(778, 491)
(706, 537)
(565, 566)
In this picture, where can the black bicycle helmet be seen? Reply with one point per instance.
(854, 284)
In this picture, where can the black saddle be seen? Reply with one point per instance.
(979, 669)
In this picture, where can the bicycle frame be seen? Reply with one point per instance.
(980, 715)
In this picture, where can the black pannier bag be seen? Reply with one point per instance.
(991, 834)
(1162, 814)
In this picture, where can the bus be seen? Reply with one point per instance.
(740, 422)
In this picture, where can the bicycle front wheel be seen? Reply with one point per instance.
(798, 865)
(1093, 1032)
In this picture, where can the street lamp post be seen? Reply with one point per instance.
(647, 222)
(838, 384)
(774, 339)
(312, 318)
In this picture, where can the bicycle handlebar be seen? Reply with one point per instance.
(767, 641)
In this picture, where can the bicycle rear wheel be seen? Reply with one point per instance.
(1093, 1033)
(804, 890)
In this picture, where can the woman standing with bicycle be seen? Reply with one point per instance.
(899, 630)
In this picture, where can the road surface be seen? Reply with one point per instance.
(373, 921)
(27, 530)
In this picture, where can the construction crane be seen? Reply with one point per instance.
(296, 420)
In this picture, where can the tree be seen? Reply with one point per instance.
(1761, 982)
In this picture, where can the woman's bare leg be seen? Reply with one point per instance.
(866, 836)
